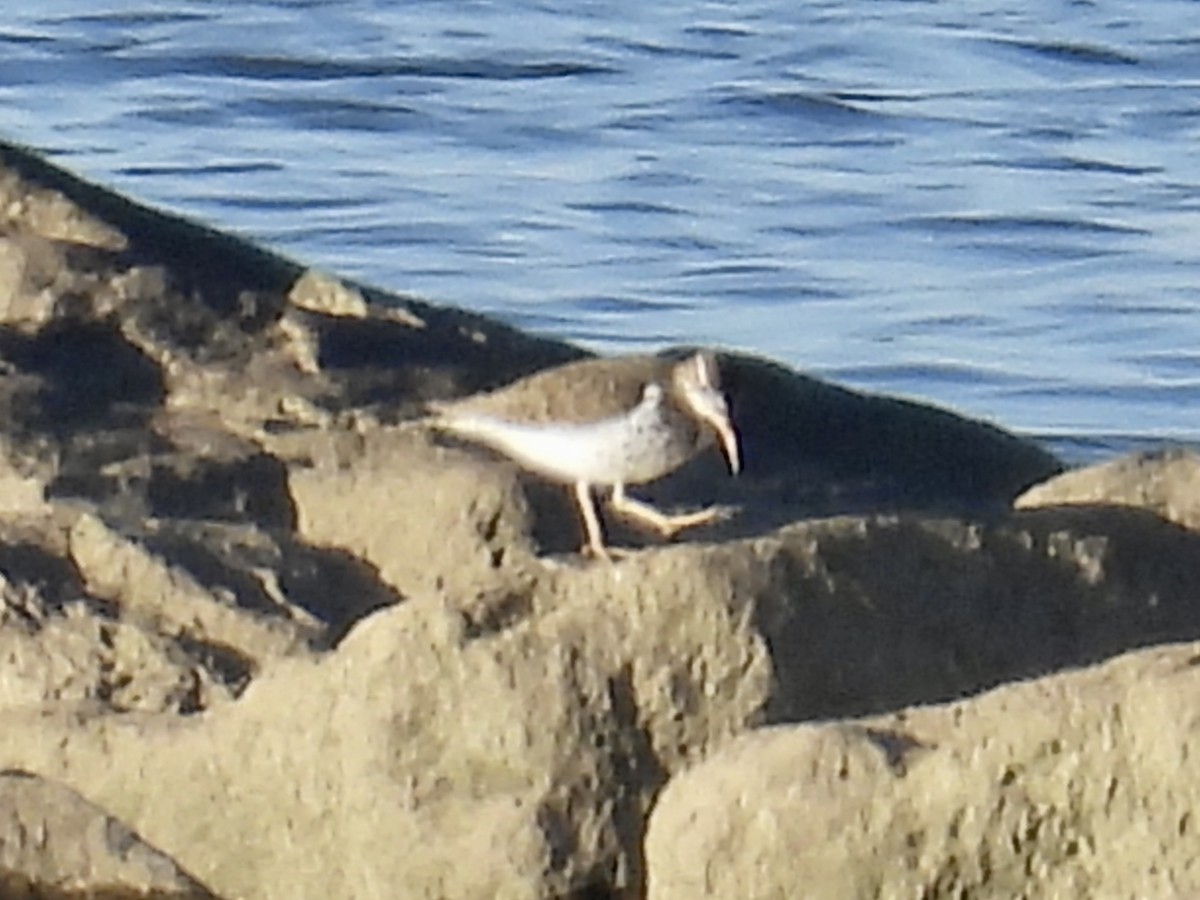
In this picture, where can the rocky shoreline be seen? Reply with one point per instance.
(265, 635)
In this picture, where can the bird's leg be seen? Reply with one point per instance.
(666, 525)
(591, 521)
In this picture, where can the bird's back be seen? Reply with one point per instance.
(586, 391)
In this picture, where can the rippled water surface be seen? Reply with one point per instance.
(991, 207)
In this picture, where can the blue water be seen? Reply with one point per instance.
(990, 206)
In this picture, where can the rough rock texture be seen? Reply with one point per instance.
(1166, 482)
(255, 609)
(1081, 785)
(52, 841)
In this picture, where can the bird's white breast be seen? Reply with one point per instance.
(630, 448)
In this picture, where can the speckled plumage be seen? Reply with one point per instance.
(609, 422)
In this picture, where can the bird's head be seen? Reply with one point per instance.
(697, 381)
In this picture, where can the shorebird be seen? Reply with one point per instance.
(606, 423)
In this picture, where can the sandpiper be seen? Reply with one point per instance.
(606, 423)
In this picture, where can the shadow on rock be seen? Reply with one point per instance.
(871, 615)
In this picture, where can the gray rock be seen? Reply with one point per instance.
(1166, 483)
(1081, 784)
(56, 844)
(531, 729)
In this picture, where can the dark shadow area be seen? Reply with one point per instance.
(224, 559)
(333, 586)
(626, 757)
(16, 886)
(90, 376)
(904, 453)
(638, 768)
(253, 488)
(52, 579)
(138, 483)
(604, 891)
(224, 664)
(557, 526)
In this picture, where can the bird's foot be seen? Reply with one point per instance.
(665, 524)
(670, 525)
(602, 553)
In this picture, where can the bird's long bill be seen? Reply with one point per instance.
(729, 444)
(698, 378)
(710, 407)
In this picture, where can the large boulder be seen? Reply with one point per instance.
(1076, 785)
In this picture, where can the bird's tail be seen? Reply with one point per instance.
(444, 417)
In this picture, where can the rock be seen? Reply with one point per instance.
(65, 645)
(830, 450)
(441, 520)
(1165, 482)
(256, 609)
(868, 614)
(530, 728)
(1077, 785)
(528, 741)
(55, 844)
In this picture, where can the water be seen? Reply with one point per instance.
(992, 207)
